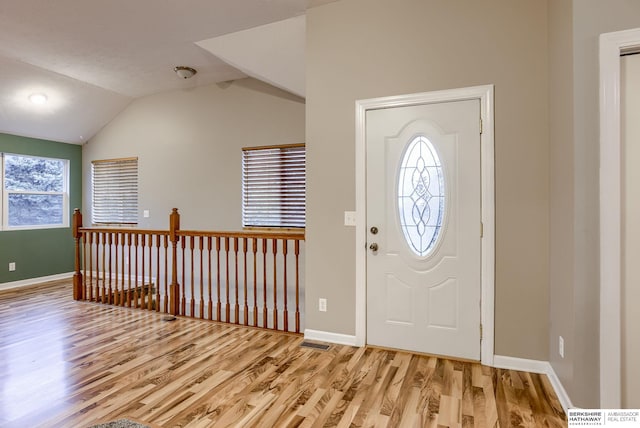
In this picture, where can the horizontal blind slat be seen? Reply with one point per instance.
(115, 191)
(274, 186)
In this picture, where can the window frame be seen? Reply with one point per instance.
(272, 227)
(4, 199)
(93, 193)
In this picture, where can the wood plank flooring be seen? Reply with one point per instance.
(74, 364)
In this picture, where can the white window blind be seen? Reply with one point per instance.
(114, 185)
(274, 186)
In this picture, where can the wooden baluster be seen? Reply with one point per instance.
(174, 227)
(143, 274)
(165, 242)
(120, 269)
(150, 305)
(255, 282)
(109, 239)
(183, 302)
(227, 308)
(158, 278)
(87, 284)
(285, 311)
(135, 271)
(265, 315)
(143, 279)
(219, 304)
(116, 291)
(129, 269)
(91, 252)
(246, 306)
(237, 306)
(297, 253)
(150, 283)
(78, 293)
(275, 280)
(103, 238)
(97, 267)
(201, 248)
(210, 305)
(192, 301)
(123, 264)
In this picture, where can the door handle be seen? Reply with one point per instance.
(373, 247)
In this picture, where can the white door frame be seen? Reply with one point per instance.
(611, 46)
(485, 95)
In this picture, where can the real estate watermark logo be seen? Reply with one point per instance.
(604, 418)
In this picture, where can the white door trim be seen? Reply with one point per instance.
(485, 95)
(611, 46)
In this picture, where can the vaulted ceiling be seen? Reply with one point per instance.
(92, 58)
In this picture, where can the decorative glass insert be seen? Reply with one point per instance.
(421, 196)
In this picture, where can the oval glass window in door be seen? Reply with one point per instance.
(421, 196)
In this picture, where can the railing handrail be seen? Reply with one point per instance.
(294, 236)
(124, 230)
(270, 234)
(238, 244)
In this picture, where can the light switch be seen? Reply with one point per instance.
(145, 213)
(349, 218)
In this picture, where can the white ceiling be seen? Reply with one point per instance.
(92, 58)
(273, 53)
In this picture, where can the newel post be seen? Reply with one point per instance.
(77, 276)
(174, 289)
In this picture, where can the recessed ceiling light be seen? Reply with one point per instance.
(38, 98)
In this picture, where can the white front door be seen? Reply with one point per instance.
(423, 193)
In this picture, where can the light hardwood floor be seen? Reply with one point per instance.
(73, 364)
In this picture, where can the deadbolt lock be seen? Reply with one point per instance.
(374, 230)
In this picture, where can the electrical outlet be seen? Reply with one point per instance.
(322, 305)
(561, 346)
(12, 266)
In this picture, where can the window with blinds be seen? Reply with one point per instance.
(114, 185)
(274, 186)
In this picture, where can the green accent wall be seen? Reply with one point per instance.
(41, 252)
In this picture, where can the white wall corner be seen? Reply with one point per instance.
(34, 281)
(536, 366)
(326, 336)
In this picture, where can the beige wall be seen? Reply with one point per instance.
(630, 85)
(574, 191)
(358, 49)
(189, 147)
(561, 189)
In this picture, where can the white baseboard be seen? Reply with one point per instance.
(560, 391)
(521, 364)
(536, 366)
(326, 336)
(34, 281)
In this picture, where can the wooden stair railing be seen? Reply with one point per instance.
(244, 278)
